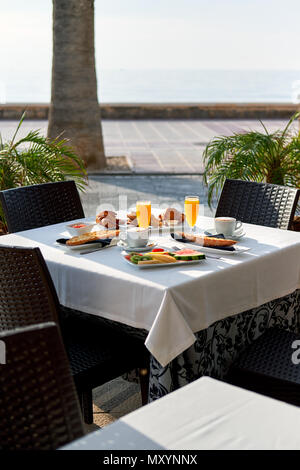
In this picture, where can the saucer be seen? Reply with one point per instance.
(138, 249)
(237, 236)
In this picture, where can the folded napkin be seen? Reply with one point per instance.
(219, 235)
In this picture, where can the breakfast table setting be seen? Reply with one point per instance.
(197, 289)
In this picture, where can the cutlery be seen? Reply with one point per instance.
(112, 243)
(176, 248)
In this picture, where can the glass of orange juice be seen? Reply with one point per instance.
(143, 213)
(191, 210)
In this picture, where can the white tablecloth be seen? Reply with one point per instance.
(206, 414)
(175, 302)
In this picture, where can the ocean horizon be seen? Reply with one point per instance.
(166, 86)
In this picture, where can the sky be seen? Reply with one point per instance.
(156, 34)
(163, 34)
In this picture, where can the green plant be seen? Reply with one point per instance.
(253, 156)
(35, 159)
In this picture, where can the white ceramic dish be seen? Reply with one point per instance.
(131, 249)
(161, 265)
(237, 236)
(217, 251)
(76, 232)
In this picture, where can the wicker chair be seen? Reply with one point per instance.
(266, 366)
(258, 203)
(29, 207)
(97, 353)
(39, 408)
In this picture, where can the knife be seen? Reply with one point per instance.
(113, 242)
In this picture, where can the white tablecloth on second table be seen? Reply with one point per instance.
(206, 414)
(175, 302)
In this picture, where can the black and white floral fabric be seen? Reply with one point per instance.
(218, 346)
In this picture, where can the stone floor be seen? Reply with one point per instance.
(120, 192)
(158, 146)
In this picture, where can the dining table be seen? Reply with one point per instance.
(205, 415)
(195, 319)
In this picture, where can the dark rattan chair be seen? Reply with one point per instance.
(29, 207)
(97, 352)
(39, 408)
(258, 203)
(266, 367)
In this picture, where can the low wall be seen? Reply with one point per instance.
(165, 111)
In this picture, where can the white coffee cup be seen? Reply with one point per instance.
(137, 237)
(227, 225)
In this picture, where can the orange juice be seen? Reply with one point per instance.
(143, 213)
(191, 209)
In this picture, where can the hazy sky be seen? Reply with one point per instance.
(171, 34)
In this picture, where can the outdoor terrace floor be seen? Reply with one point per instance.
(159, 146)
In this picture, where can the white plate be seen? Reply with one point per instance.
(160, 265)
(217, 251)
(137, 249)
(237, 236)
(80, 247)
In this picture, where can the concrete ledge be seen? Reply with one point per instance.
(164, 111)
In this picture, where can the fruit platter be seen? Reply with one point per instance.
(159, 257)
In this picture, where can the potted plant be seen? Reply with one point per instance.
(35, 159)
(254, 156)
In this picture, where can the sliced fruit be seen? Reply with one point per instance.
(191, 257)
(186, 251)
(135, 258)
(150, 261)
(163, 258)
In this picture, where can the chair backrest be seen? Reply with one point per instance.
(39, 408)
(27, 293)
(29, 207)
(265, 204)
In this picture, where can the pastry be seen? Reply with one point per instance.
(92, 236)
(131, 215)
(132, 220)
(105, 214)
(172, 214)
(206, 241)
(107, 219)
(155, 222)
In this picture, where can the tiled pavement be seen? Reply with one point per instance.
(170, 146)
(159, 146)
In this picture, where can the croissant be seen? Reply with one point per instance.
(104, 214)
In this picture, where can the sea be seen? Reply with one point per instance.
(166, 86)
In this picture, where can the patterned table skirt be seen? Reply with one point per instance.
(217, 347)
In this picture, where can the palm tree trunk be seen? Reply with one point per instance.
(74, 108)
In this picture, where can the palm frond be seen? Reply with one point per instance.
(35, 159)
(253, 156)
